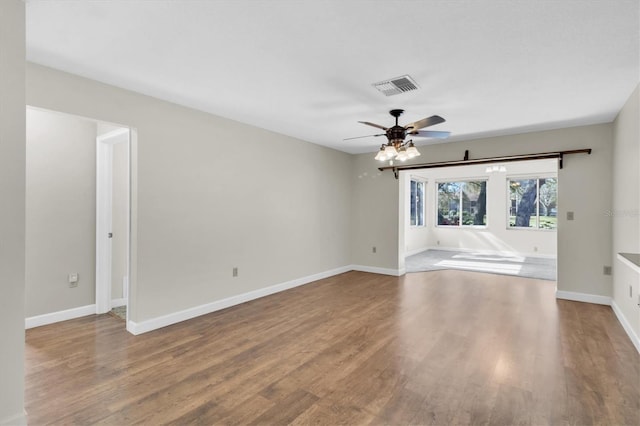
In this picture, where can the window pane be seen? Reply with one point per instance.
(449, 203)
(547, 203)
(474, 203)
(522, 196)
(412, 205)
(420, 204)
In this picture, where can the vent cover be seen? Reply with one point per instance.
(395, 86)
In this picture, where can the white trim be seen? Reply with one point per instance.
(628, 262)
(377, 270)
(583, 297)
(625, 324)
(67, 314)
(125, 287)
(415, 251)
(104, 202)
(115, 303)
(186, 314)
(104, 164)
(18, 419)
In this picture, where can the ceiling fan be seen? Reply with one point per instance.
(397, 147)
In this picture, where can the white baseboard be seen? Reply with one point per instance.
(494, 252)
(583, 297)
(67, 314)
(415, 251)
(17, 420)
(175, 317)
(625, 324)
(115, 303)
(377, 270)
(603, 300)
(186, 314)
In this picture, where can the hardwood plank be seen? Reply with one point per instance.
(444, 347)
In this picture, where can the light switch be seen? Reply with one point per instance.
(569, 215)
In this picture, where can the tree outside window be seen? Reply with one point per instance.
(416, 203)
(533, 203)
(462, 203)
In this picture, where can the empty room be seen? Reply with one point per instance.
(320, 212)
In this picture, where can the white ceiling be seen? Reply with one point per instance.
(305, 68)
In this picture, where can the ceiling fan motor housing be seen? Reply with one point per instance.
(396, 133)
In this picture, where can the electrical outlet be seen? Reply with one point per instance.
(606, 270)
(235, 271)
(438, 242)
(373, 249)
(535, 248)
(73, 279)
(569, 215)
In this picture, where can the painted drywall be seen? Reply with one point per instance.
(60, 211)
(375, 210)
(211, 194)
(584, 244)
(119, 217)
(625, 211)
(12, 194)
(496, 236)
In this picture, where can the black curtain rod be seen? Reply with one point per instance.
(467, 161)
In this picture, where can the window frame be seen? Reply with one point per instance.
(537, 178)
(460, 201)
(423, 184)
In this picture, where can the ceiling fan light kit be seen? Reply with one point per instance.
(399, 149)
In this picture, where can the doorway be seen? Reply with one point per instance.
(113, 145)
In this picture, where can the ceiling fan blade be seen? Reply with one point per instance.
(431, 134)
(360, 137)
(425, 122)
(373, 124)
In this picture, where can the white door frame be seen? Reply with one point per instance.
(104, 185)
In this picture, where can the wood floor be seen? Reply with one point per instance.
(446, 347)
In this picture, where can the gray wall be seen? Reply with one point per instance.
(12, 190)
(374, 214)
(625, 213)
(584, 187)
(211, 194)
(297, 209)
(60, 211)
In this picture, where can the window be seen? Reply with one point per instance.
(462, 203)
(533, 203)
(416, 206)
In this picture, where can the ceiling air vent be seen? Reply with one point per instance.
(395, 86)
